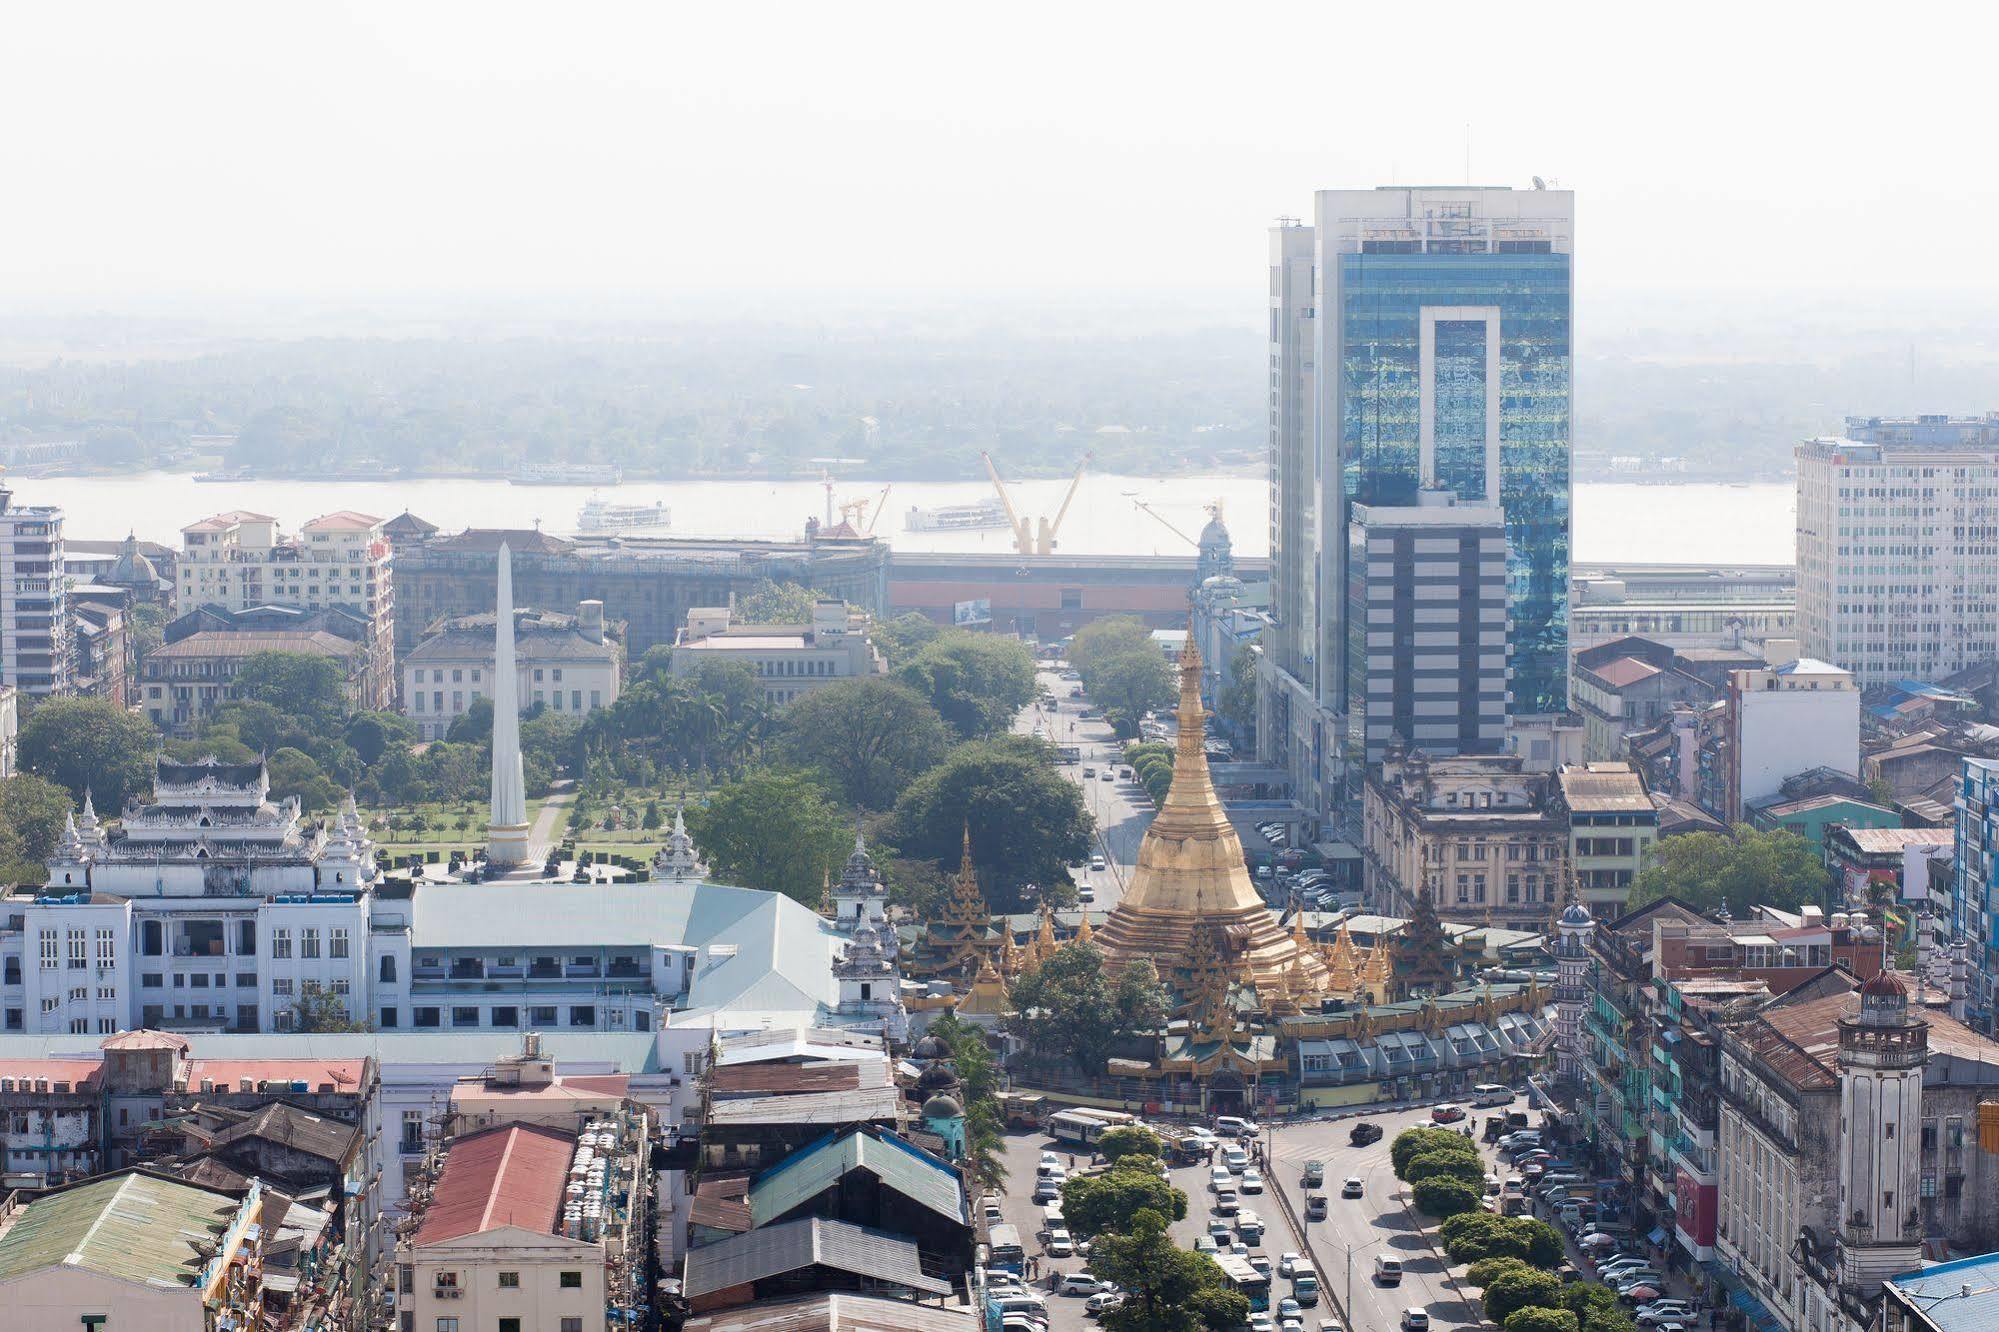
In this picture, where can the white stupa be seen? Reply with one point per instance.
(507, 832)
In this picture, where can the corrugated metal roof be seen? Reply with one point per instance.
(859, 1105)
(507, 1176)
(811, 1241)
(301, 1130)
(133, 1226)
(1604, 788)
(784, 1079)
(837, 1311)
(810, 1171)
(1623, 672)
(625, 1052)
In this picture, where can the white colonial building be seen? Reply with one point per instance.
(789, 660)
(565, 663)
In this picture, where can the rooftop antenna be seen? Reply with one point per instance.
(1540, 184)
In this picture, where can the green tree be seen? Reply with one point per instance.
(872, 737)
(1522, 1289)
(1075, 1007)
(294, 773)
(1167, 1289)
(1536, 1318)
(147, 626)
(1452, 1165)
(1128, 685)
(319, 1010)
(977, 682)
(553, 736)
(1108, 636)
(474, 726)
(1027, 821)
(1093, 1204)
(1129, 1140)
(35, 811)
(979, 1079)
(1470, 1236)
(1744, 867)
(1484, 1271)
(309, 688)
(372, 734)
(89, 744)
(776, 603)
(904, 636)
(774, 829)
(1415, 1141)
(1442, 1196)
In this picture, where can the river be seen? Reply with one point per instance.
(1692, 524)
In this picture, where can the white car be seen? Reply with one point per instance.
(1103, 1302)
(1236, 1159)
(1287, 1263)
(1097, 863)
(1261, 1322)
(1061, 1244)
(1665, 1311)
(1252, 1180)
(1079, 1283)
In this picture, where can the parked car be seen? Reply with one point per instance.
(1288, 1263)
(1666, 1311)
(1206, 1244)
(1219, 1227)
(1061, 1244)
(1447, 1113)
(1079, 1283)
(1252, 1180)
(1103, 1302)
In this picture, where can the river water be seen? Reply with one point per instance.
(1701, 523)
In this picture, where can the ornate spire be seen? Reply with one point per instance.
(826, 892)
(1084, 934)
(678, 859)
(965, 912)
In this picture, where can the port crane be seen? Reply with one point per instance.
(1034, 536)
(1213, 508)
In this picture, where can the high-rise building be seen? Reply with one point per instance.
(1426, 624)
(239, 561)
(34, 606)
(1419, 338)
(1898, 547)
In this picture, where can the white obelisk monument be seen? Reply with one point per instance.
(507, 833)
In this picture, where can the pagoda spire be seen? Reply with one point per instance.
(1084, 934)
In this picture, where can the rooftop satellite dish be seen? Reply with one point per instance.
(1540, 184)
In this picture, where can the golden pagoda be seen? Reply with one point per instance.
(1191, 876)
(1342, 963)
(1084, 934)
(987, 998)
(962, 933)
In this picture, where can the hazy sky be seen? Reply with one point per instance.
(223, 150)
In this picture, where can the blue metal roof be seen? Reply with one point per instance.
(1961, 1296)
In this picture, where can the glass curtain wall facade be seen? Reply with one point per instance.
(1383, 292)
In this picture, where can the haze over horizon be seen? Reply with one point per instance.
(630, 158)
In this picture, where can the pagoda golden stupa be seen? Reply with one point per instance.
(1191, 878)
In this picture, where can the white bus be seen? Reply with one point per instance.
(1084, 1127)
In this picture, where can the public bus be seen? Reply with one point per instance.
(1083, 1127)
(1253, 1285)
(1004, 1250)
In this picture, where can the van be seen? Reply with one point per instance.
(1387, 1271)
(1051, 1215)
(1305, 1289)
(1023, 1304)
(1491, 1093)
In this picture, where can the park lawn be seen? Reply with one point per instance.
(460, 824)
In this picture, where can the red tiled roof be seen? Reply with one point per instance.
(507, 1176)
(345, 520)
(340, 1075)
(1624, 671)
(230, 519)
(80, 1074)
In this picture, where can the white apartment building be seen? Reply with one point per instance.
(566, 663)
(790, 660)
(239, 560)
(1786, 719)
(34, 603)
(1898, 554)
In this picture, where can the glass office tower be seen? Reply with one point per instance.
(1447, 313)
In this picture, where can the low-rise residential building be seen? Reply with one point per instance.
(789, 660)
(183, 681)
(1613, 826)
(1812, 817)
(1873, 866)
(1480, 835)
(1629, 685)
(529, 1227)
(566, 663)
(103, 663)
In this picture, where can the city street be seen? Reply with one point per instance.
(1119, 807)
(1374, 1224)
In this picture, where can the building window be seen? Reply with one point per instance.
(282, 987)
(388, 1017)
(510, 1325)
(572, 1325)
(336, 944)
(464, 1017)
(447, 1325)
(51, 950)
(308, 943)
(571, 1281)
(107, 951)
(582, 1015)
(510, 1281)
(281, 943)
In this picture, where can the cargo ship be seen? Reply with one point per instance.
(986, 515)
